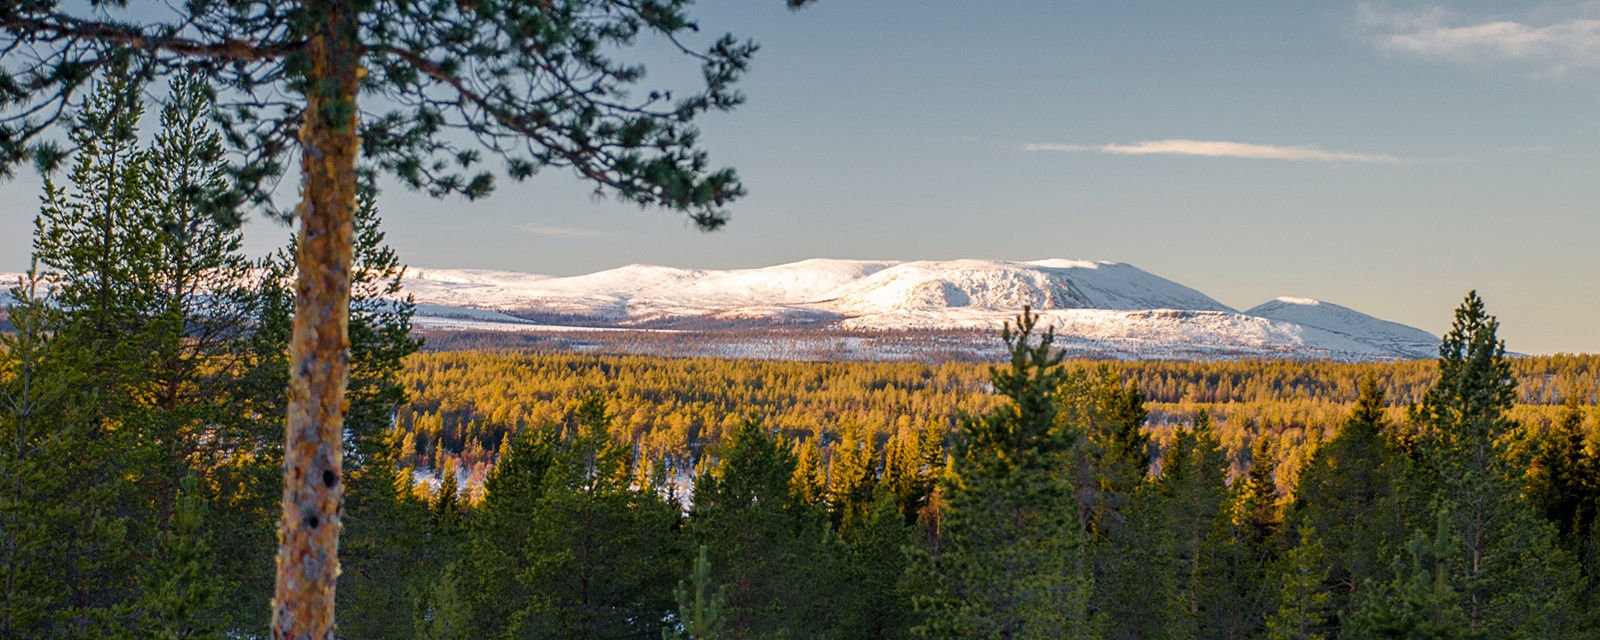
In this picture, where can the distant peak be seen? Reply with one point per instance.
(1293, 300)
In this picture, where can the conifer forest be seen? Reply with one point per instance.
(154, 397)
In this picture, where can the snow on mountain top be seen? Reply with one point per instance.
(1111, 304)
(1341, 320)
(998, 284)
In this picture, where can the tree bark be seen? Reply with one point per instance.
(308, 536)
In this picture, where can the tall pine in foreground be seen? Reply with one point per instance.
(1009, 559)
(1513, 579)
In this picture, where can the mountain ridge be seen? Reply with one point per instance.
(1115, 307)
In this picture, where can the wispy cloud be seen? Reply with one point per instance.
(562, 232)
(1220, 149)
(1553, 48)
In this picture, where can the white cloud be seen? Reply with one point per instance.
(1221, 149)
(562, 232)
(1553, 48)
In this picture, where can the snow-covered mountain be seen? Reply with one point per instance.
(1097, 308)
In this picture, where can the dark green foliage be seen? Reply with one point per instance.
(483, 587)
(1238, 566)
(1009, 559)
(1194, 480)
(179, 588)
(1305, 609)
(431, 67)
(1351, 487)
(1564, 486)
(1131, 519)
(563, 545)
(1138, 588)
(63, 555)
(1513, 578)
(876, 602)
(699, 616)
(601, 558)
(1421, 602)
(767, 545)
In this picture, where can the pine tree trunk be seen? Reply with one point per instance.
(308, 536)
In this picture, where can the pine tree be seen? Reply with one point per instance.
(700, 615)
(766, 543)
(545, 87)
(1009, 561)
(180, 590)
(1514, 579)
(1421, 601)
(57, 521)
(1349, 494)
(1305, 607)
(1194, 480)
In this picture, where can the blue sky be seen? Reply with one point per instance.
(1384, 156)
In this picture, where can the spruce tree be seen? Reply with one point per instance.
(1135, 542)
(1305, 607)
(852, 477)
(600, 559)
(486, 590)
(1564, 481)
(1009, 561)
(1239, 564)
(810, 477)
(913, 460)
(876, 600)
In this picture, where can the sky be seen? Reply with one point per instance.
(1385, 156)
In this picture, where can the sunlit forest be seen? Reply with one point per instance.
(462, 404)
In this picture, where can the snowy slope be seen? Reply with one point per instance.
(992, 284)
(1107, 307)
(1359, 327)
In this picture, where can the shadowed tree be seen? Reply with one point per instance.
(1009, 562)
(440, 82)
